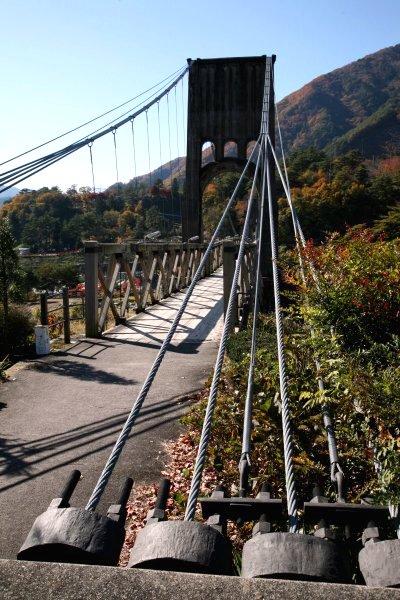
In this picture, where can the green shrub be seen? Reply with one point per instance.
(358, 347)
(17, 338)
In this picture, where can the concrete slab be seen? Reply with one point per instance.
(65, 411)
(20, 580)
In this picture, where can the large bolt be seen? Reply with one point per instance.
(324, 532)
(370, 534)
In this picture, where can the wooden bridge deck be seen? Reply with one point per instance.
(65, 411)
(202, 321)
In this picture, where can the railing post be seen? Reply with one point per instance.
(208, 265)
(44, 314)
(91, 295)
(229, 260)
(67, 327)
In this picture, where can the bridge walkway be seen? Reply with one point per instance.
(65, 411)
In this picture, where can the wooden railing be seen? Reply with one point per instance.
(124, 277)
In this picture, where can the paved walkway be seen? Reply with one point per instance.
(65, 411)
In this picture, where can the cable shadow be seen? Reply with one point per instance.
(18, 457)
(31, 476)
(78, 370)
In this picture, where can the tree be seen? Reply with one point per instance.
(8, 267)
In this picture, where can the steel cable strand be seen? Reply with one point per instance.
(17, 171)
(244, 463)
(295, 218)
(336, 471)
(92, 168)
(38, 170)
(84, 141)
(283, 380)
(124, 434)
(93, 119)
(207, 423)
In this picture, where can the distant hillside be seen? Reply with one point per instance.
(354, 107)
(8, 195)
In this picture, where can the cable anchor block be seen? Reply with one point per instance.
(74, 535)
(185, 546)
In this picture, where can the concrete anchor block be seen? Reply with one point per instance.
(74, 535)
(295, 556)
(182, 546)
(380, 563)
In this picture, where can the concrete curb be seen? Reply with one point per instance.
(20, 580)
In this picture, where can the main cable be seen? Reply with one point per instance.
(212, 398)
(283, 380)
(336, 471)
(25, 169)
(244, 463)
(91, 120)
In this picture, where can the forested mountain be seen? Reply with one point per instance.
(332, 128)
(354, 107)
(4, 196)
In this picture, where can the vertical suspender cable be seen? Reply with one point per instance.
(134, 150)
(115, 154)
(184, 136)
(183, 116)
(91, 164)
(169, 144)
(148, 146)
(177, 133)
(160, 168)
(159, 138)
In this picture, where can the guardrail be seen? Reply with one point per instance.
(64, 322)
(119, 277)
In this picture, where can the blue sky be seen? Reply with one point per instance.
(64, 61)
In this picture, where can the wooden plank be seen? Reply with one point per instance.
(108, 286)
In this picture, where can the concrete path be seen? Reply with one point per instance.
(65, 411)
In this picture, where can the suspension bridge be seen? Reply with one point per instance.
(184, 290)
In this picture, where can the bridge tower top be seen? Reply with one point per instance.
(224, 105)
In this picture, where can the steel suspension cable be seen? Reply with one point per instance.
(169, 143)
(148, 146)
(38, 169)
(83, 142)
(134, 150)
(91, 164)
(126, 429)
(336, 471)
(212, 398)
(91, 120)
(6, 176)
(244, 463)
(283, 380)
(116, 155)
(91, 137)
(159, 139)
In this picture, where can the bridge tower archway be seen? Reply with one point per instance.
(224, 106)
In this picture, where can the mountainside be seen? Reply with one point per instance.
(8, 195)
(354, 107)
